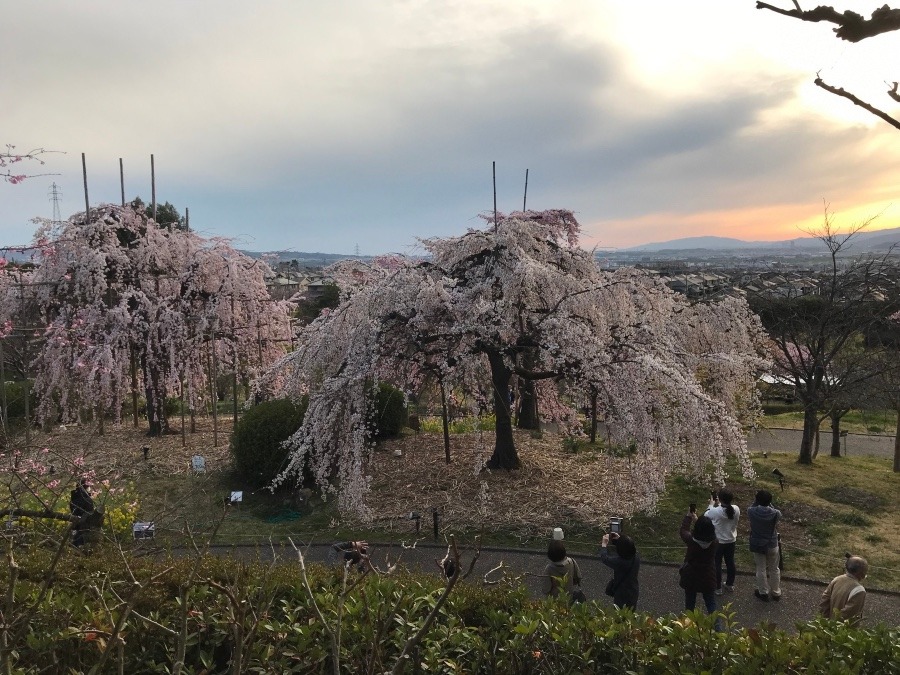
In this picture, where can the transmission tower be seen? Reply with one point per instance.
(356, 250)
(55, 196)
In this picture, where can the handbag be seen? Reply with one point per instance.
(577, 595)
(611, 587)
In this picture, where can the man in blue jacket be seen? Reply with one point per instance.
(764, 545)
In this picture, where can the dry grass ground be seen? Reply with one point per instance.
(835, 505)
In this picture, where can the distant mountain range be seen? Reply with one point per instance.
(862, 242)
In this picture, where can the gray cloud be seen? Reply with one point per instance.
(325, 125)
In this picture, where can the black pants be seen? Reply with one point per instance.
(726, 552)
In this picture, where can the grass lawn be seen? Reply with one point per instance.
(882, 422)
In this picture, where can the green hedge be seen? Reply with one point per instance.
(388, 412)
(256, 444)
(495, 629)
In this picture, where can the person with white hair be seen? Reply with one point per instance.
(845, 596)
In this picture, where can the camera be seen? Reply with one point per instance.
(693, 507)
(714, 495)
(615, 526)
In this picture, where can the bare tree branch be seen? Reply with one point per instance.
(851, 26)
(892, 92)
(857, 101)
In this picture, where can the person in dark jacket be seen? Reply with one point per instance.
(698, 571)
(764, 545)
(81, 505)
(623, 587)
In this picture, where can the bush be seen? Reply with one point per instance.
(389, 413)
(256, 444)
(478, 630)
(15, 399)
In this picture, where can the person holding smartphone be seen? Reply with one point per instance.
(623, 587)
(697, 572)
(725, 516)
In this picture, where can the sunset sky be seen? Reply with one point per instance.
(323, 126)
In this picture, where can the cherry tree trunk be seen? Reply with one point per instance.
(528, 410)
(835, 435)
(810, 427)
(505, 455)
(156, 399)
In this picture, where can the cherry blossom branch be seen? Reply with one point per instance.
(10, 156)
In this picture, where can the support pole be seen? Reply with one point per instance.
(494, 172)
(87, 203)
(525, 197)
(122, 180)
(153, 184)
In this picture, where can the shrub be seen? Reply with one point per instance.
(15, 400)
(478, 630)
(389, 413)
(256, 444)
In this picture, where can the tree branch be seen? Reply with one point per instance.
(851, 26)
(856, 101)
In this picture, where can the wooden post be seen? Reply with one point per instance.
(87, 203)
(234, 377)
(187, 219)
(134, 389)
(214, 390)
(27, 412)
(153, 184)
(444, 421)
(525, 197)
(494, 171)
(3, 407)
(183, 439)
(122, 180)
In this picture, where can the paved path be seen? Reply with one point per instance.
(788, 440)
(660, 593)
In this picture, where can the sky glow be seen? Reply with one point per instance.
(326, 126)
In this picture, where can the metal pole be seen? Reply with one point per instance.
(494, 171)
(525, 197)
(87, 203)
(122, 180)
(153, 184)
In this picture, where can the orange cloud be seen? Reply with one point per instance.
(764, 223)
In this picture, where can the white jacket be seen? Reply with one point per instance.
(726, 528)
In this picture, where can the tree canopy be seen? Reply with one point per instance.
(125, 304)
(675, 379)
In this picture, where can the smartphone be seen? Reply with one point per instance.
(693, 507)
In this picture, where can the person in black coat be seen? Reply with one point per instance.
(623, 587)
(81, 505)
(698, 571)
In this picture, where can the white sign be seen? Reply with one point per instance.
(198, 464)
(143, 530)
(237, 497)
